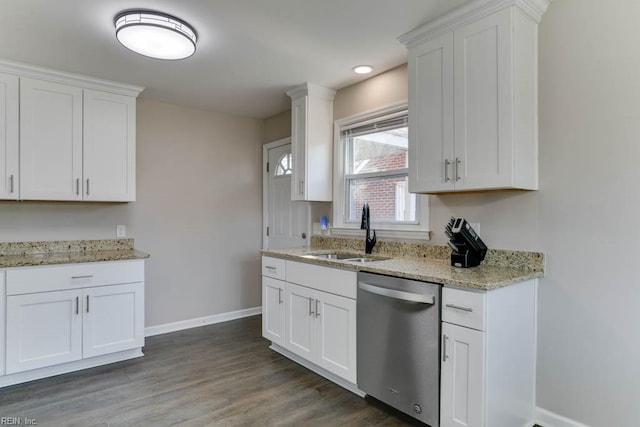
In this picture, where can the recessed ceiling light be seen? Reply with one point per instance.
(155, 34)
(362, 69)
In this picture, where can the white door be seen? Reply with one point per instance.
(462, 377)
(109, 147)
(286, 221)
(50, 141)
(336, 335)
(113, 319)
(43, 329)
(9, 139)
(273, 310)
(300, 321)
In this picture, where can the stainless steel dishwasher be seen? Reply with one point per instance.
(398, 353)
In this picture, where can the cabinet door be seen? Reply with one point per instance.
(9, 140)
(50, 141)
(109, 147)
(43, 329)
(462, 377)
(484, 103)
(431, 116)
(113, 319)
(273, 325)
(336, 334)
(300, 321)
(298, 146)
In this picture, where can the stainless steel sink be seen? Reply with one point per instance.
(344, 256)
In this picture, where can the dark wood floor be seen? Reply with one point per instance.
(217, 375)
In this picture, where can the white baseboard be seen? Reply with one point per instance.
(549, 419)
(201, 321)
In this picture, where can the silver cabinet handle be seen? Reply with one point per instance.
(317, 311)
(87, 303)
(458, 169)
(77, 305)
(87, 186)
(280, 296)
(444, 347)
(459, 307)
(77, 186)
(89, 276)
(392, 293)
(310, 306)
(446, 170)
(301, 186)
(11, 183)
(268, 267)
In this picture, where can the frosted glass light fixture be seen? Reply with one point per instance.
(362, 69)
(155, 34)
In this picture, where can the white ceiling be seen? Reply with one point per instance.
(249, 51)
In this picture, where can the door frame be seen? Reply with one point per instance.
(265, 192)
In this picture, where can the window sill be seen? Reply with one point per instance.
(383, 234)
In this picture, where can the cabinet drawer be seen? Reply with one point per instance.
(72, 276)
(464, 308)
(326, 279)
(273, 267)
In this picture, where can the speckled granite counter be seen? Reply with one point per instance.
(25, 254)
(500, 268)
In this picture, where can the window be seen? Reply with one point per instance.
(372, 167)
(284, 165)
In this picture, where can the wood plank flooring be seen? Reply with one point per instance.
(217, 375)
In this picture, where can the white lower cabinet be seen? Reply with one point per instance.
(62, 314)
(113, 319)
(488, 356)
(462, 376)
(273, 310)
(309, 311)
(321, 327)
(43, 329)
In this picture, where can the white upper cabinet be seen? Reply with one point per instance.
(66, 137)
(9, 137)
(109, 147)
(473, 103)
(50, 141)
(312, 142)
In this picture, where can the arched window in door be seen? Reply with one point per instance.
(284, 165)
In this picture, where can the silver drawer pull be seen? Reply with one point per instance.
(459, 307)
(82, 277)
(268, 267)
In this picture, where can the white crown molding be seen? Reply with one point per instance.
(533, 9)
(312, 90)
(32, 71)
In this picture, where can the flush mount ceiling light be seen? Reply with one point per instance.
(362, 69)
(155, 34)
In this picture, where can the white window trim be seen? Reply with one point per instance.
(384, 230)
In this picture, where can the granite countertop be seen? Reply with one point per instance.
(26, 254)
(482, 277)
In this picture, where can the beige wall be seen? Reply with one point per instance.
(198, 212)
(277, 127)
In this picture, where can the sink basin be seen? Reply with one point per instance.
(362, 259)
(334, 255)
(344, 256)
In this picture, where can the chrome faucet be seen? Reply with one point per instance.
(370, 241)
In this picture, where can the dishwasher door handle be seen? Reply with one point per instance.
(401, 295)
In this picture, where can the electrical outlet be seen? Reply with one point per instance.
(476, 227)
(121, 231)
